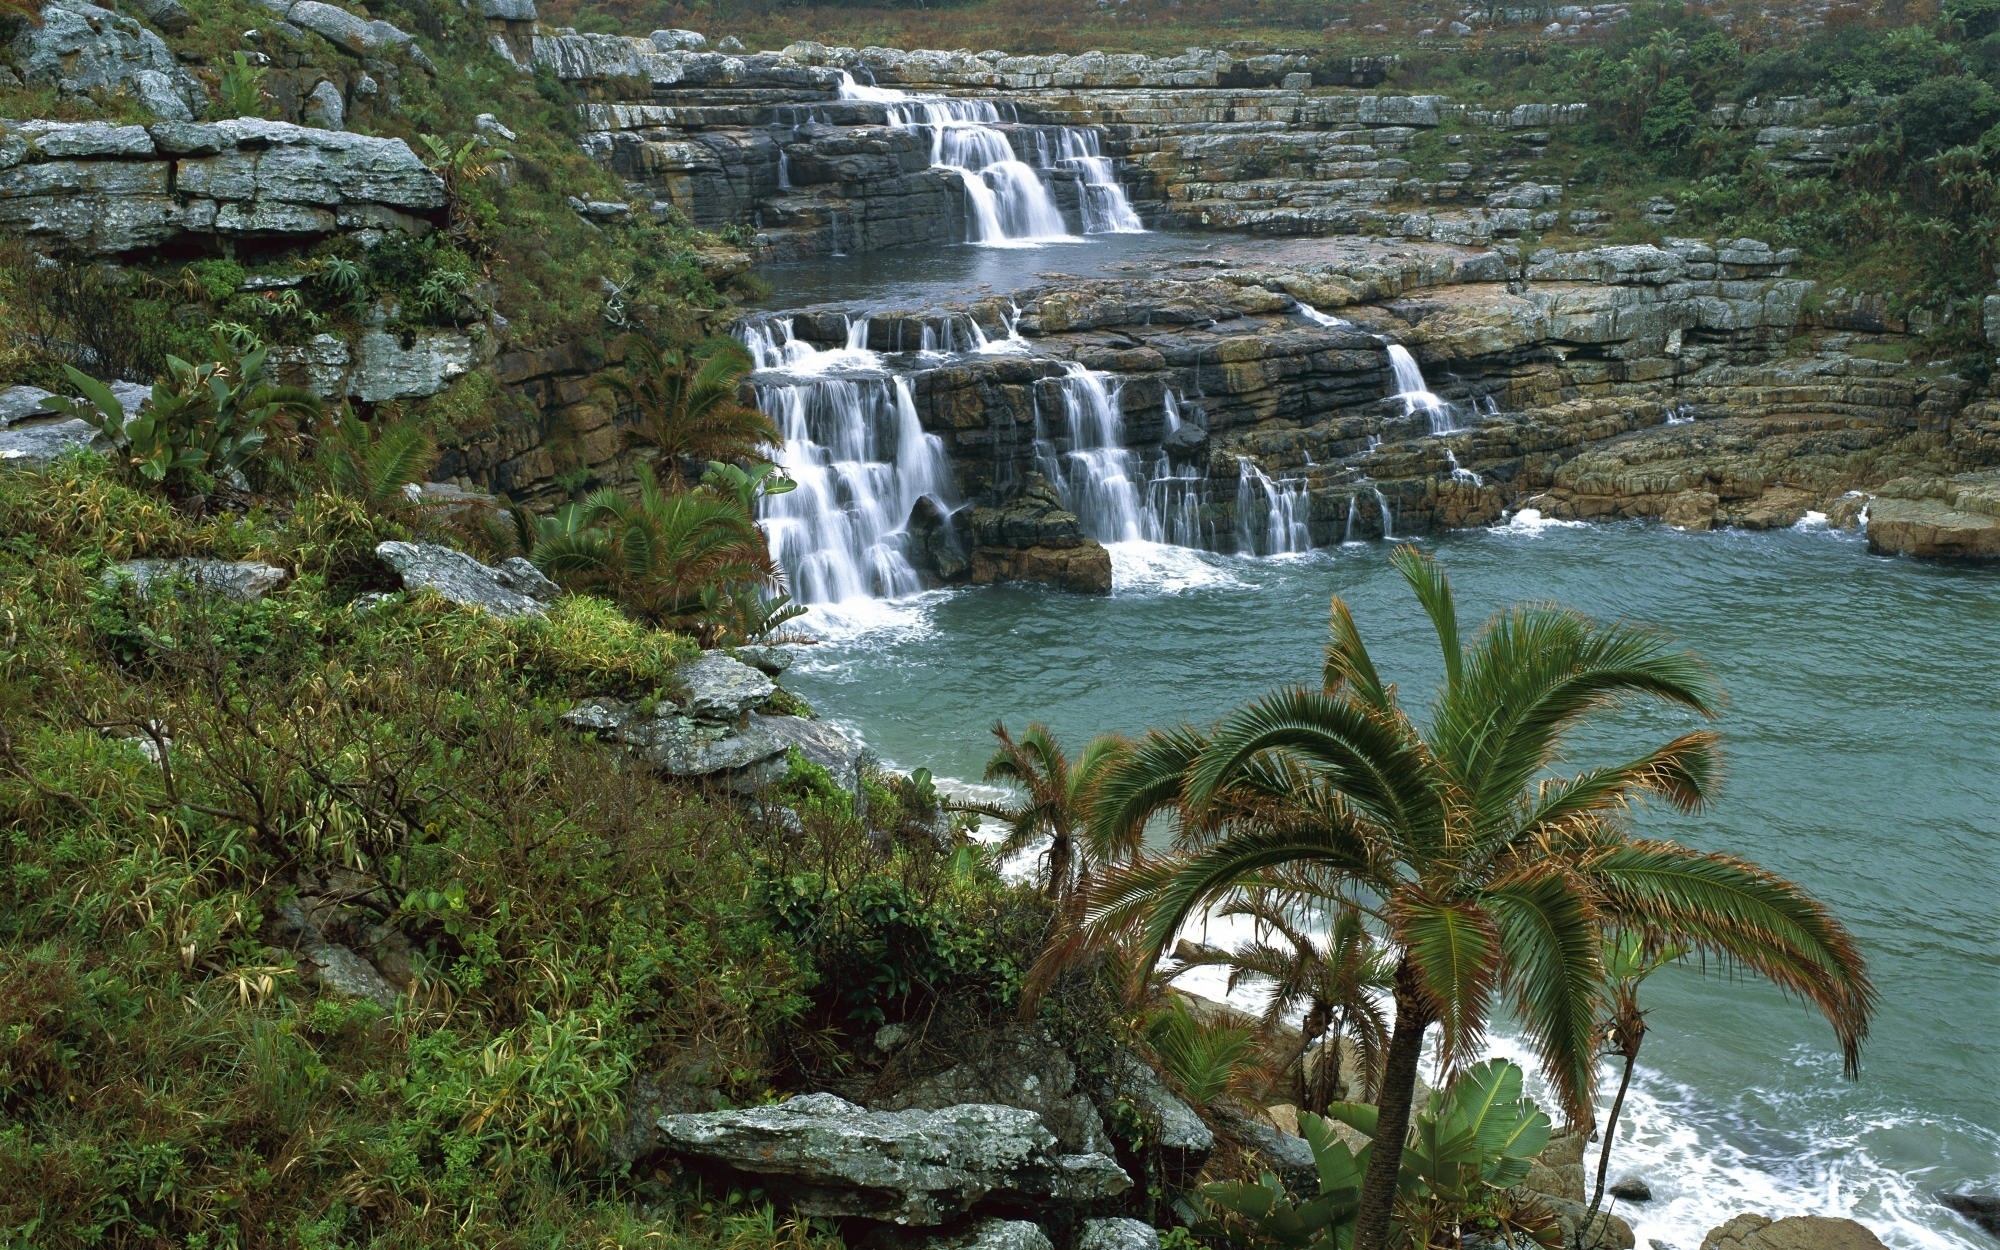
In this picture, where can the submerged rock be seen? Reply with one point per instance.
(516, 588)
(1981, 1209)
(825, 1156)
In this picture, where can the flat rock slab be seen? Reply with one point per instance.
(1931, 529)
(244, 581)
(516, 588)
(1798, 1232)
(31, 445)
(827, 1157)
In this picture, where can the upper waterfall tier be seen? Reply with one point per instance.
(1008, 202)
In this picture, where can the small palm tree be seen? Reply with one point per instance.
(687, 404)
(656, 553)
(1333, 983)
(1627, 962)
(1055, 795)
(1489, 875)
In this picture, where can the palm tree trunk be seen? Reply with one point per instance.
(1392, 1125)
(1604, 1155)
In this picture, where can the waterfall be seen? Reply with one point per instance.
(1382, 502)
(1319, 318)
(1173, 499)
(1353, 506)
(1415, 394)
(1103, 203)
(1284, 530)
(1009, 204)
(784, 172)
(1458, 472)
(855, 446)
(1097, 478)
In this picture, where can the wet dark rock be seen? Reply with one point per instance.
(1982, 1209)
(1631, 1189)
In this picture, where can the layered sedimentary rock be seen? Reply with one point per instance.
(115, 190)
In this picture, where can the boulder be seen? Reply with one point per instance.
(1631, 1189)
(1279, 1151)
(324, 108)
(360, 36)
(992, 1234)
(1016, 1065)
(505, 591)
(679, 40)
(746, 756)
(1932, 529)
(340, 970)
(1174, 1128)
(824, 1156)
(1117, 1234)
(1798, 1232)
(43, 442)
(169, 15)
(244, 581)
(386, 367)
(721, 687)
(81, 49)
(769, 660)
(508, 10)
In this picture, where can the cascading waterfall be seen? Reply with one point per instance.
(1097, 475)
(1008, 201)
(1388, 528)
(1416, 394)
(1319, 318)
(1285, 507)
(1103, 203)
(1459, 473)
(1173, 499)
(860, 456)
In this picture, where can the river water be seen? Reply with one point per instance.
(1863, 744)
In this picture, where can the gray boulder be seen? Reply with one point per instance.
(464, 580)
(721, 687)
(1184, 1141)
(385, 369)
(1631, 1189)
(324, 108)
(827, 1157)
(1016, 1065)
(169, 15)
(1285, 1155)
(360, 36)
(679, 40)
(748, 756)
(1118, 1234)
(993, 1234)
(79, 49)
(508, 10)
(770, 660)
(244, 581)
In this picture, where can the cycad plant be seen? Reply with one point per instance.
(686, 402)
(1494, 879)
(375, 462)
(1312, 952)
(656, 552)
(1053, 807)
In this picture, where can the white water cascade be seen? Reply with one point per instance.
(1097, 477)
(1416, 394)
(1284, 507)
(1319, 318)
(1103, 203)
(1173, 496)
(860, 456)
(1009, 203)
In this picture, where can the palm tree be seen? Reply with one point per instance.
(687, 402)
(1627, 962)
(656, 553)
(1331, 983)
(1489, 875)
(1056, 792)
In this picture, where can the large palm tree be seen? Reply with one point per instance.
(1492, 876)
(657, 552)
(1055, 793)
(687, 402)
(1314, 953)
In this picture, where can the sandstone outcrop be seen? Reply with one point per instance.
(1798, 1232)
